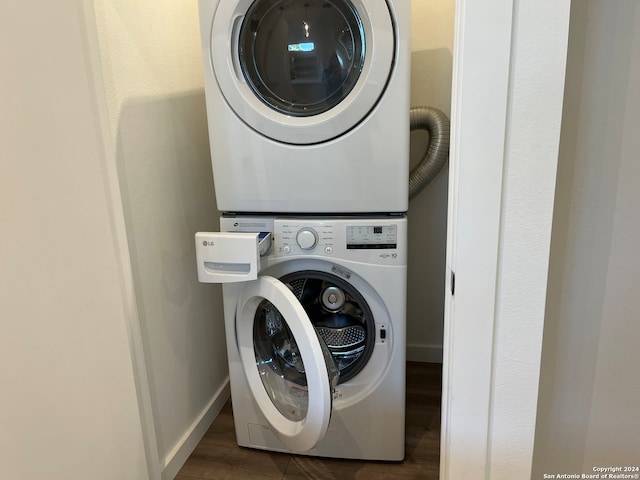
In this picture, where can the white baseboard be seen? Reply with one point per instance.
(424, 353)
(185, 446)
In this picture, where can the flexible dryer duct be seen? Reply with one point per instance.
(437, 124)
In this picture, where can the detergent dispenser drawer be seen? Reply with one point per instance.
(230, 257)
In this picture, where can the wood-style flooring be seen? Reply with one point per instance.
(218, 457)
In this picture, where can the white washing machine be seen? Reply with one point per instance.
(308, 104)
(316, 341)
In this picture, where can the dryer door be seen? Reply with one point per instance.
(302, 72)
(290, 371)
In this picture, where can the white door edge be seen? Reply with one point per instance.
(474, 218)
(298, 436)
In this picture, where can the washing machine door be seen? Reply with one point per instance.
(302, 71)
(290, 371)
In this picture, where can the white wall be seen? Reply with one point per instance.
(432, 24)
(152, 65)
(589, 386)
(68, 406)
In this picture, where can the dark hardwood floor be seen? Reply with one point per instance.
(217, 456)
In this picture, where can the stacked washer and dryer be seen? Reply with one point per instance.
(308, 103)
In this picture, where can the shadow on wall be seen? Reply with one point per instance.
(166, 183)
(431, 72)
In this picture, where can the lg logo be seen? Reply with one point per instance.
(207, 244)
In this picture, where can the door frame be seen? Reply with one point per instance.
(503, 65)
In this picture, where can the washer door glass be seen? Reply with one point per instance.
(302, 58)
(289, 369)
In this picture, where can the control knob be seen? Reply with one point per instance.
(307, 238)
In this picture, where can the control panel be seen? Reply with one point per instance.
(296, 236)
(371, 240)
(367, 240)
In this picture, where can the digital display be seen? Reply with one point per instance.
(372, 237)
(302, 47)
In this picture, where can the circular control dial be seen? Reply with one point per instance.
(307, 238)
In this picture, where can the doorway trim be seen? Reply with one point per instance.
(496, 43)
(482, 53)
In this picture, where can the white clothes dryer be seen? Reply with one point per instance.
(308, 104)
(329, 299)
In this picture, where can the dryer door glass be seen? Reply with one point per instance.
(289, 369)
(302, 58)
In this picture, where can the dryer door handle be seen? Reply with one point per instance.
(235, 47)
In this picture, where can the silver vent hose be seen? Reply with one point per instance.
(437, 124)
